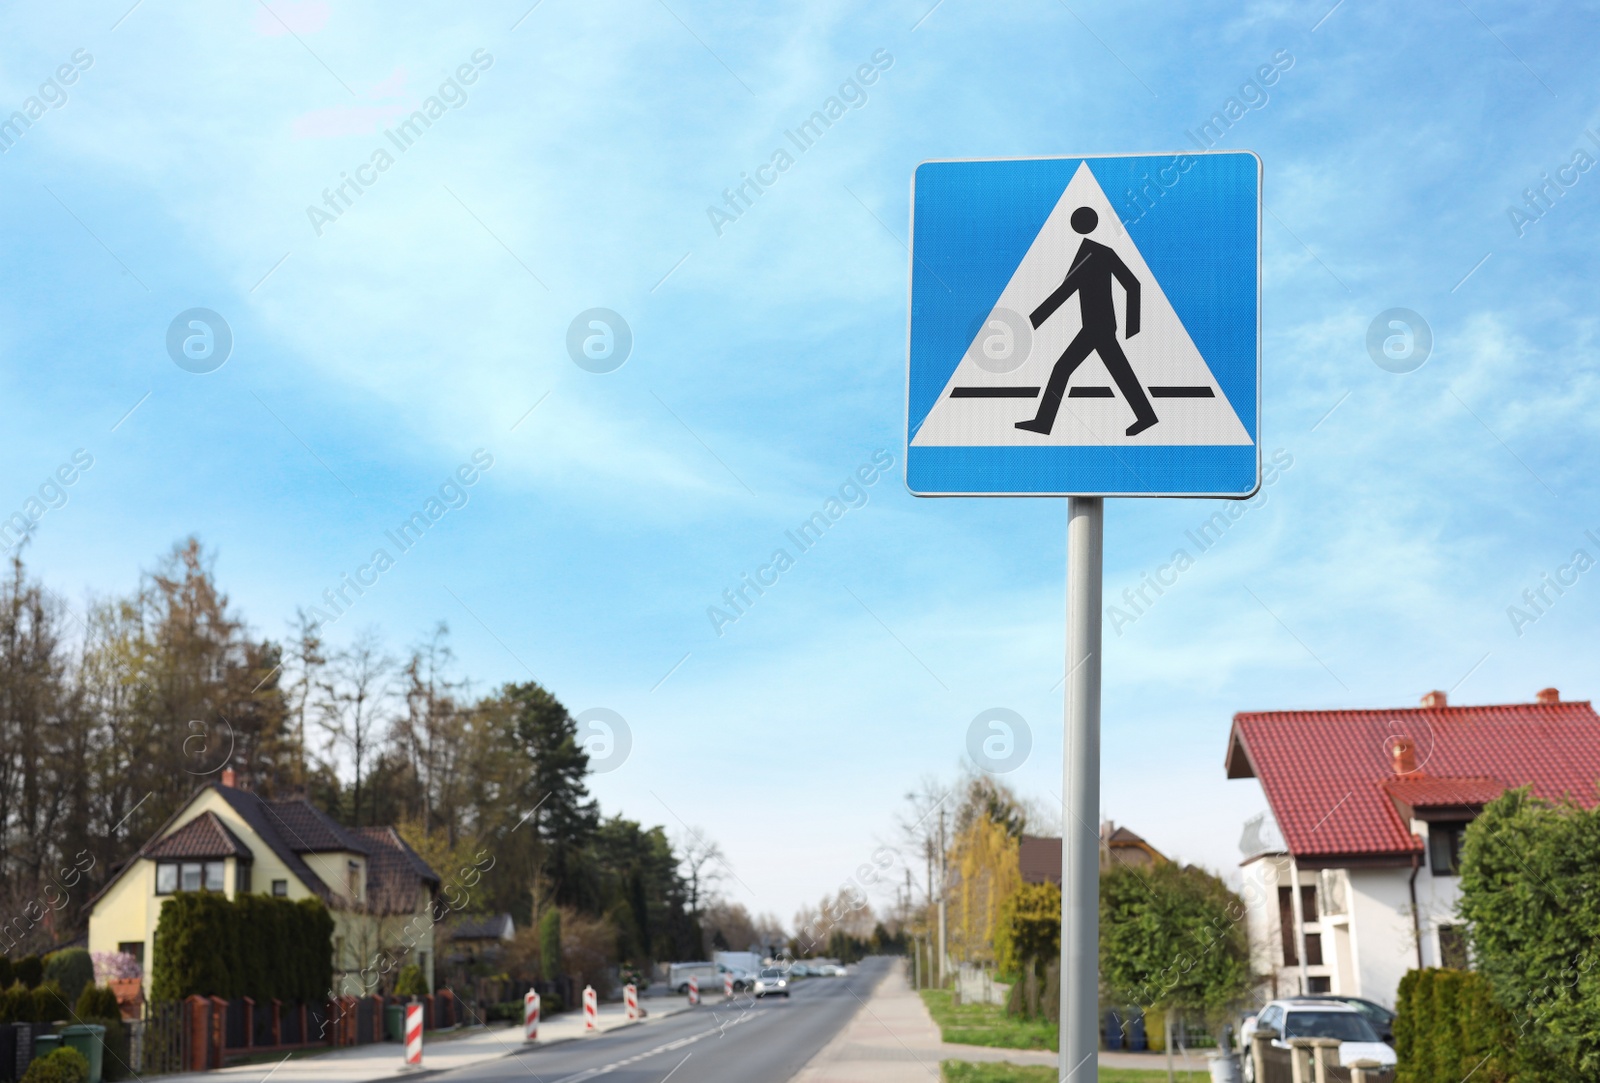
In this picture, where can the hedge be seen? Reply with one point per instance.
(256, 946)
(1448, 1027)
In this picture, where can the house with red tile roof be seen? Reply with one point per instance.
(230, 840)
(1352, 876)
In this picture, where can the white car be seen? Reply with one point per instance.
(1286, 1019)
(832, 970)
(772, 982)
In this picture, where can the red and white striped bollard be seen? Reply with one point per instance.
(530, 1016)
(694, 989)
(413, 1036)
(727, 986)
(630, 997)
(591, 1007)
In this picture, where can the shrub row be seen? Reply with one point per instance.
(29, 970)
(42, 1004)
(257, 946)
(1448, 1027)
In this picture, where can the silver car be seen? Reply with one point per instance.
(772, 982)
(1286, 1019)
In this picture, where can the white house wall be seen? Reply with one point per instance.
(1380, 920)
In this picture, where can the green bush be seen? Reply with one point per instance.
(71, 969)
(1405, 1024)
(256, 946)
(1529, 904)
(551, 1004)
(62, 1065)
(99, 1002)
(16, 1004)
(29, 970)
(6, 977)
(509, 1011)
(49, 1005)
(1448, 1027)
(1029, 932)
(550, 944)
(410, 982)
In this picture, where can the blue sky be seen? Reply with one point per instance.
(767, 365)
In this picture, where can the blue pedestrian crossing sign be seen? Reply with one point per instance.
(1085, 327)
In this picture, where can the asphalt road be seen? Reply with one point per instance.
(753, 1042)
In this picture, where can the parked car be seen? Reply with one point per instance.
(678, 975)
(772, 983)
(832, 970)
(799, 970)
(1303, 1017)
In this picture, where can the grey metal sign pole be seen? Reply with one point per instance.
(1080, 807)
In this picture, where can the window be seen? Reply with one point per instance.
(134, 948)
(189, 876)
(352, 879)
(241, 878)
(1444, 847)
(1314, 955)
(1347, 1026)
(1291, 957)
(1308, 903)
(280, 888)
(1452, 947)
(1318, 985)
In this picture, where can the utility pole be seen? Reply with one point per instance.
(942, 886)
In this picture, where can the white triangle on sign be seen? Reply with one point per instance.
(1001, 378)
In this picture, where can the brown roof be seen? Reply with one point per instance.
(307, 829)
(205, 836)
(395, 872)
(1039, 859)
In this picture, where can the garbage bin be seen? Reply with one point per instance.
(45, 1043)
(394, 1022)
(90, 1040)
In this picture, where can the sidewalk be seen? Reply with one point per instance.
(892, 1039)
(440, 1051)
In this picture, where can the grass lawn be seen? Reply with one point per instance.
(986, 1024)
(960, 1071)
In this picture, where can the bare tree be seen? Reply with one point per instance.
(355, 703)
(919, 824)
(305, 659)
(430, 732)
(703, 865)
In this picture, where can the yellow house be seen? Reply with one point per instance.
(228, 839)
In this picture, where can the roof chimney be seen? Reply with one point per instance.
(1434, 699)
(229, 779)
(1403, 751)
(1548, 695)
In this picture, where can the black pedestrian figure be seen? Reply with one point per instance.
(1093, 268)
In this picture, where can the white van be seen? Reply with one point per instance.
(678, 975)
